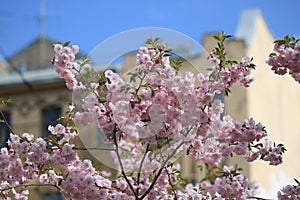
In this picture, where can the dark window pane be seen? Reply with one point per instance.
(49, 117)
(52, 196)
(4, 130)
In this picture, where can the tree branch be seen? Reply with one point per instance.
(160, 171)
(122, 167)
(141, 164)
(172, 186)
(5, 121)
(258, 198)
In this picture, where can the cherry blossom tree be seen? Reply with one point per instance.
(148, 122)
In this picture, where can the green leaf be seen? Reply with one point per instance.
(145, 120)
(217, 37)
(252, 66)
(102, 79)
(60, 182)
(66, 43)
(61, 119)
(152, 92)
(228, 36)
(286, 38)
(102, 99)
(176, 64)
(5, 101)
(227, 91)
(132, 78)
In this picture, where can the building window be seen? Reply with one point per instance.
(49, 117)
(4, 130)
(52, 196)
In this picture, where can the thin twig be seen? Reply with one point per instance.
(140, 84)
(6, 123)
(141, 164)
(122, 167)
(160, 171)
(258, 198)
(173, 191)
(172, 187)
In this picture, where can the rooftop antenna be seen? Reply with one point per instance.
(42, 18)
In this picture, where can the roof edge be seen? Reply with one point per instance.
(246, 26)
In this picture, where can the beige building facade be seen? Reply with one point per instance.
(275, 101)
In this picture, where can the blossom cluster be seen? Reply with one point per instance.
(54, 163)
(65, 66)
(235, 72)
(286, 58)
(289, 192)
(233, 184)
(226, 137)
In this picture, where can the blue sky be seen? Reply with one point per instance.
(87, 23)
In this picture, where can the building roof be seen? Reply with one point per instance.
(33, 76)
(37, 76)
(246, 26)
(36, 54)
(3, 63)
(29, 65)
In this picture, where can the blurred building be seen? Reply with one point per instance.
(273, 100)
(39, 97)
